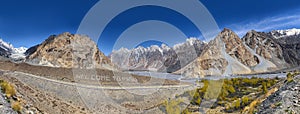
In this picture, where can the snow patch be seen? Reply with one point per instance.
(20, 50)
(6, 46)
(285, 33)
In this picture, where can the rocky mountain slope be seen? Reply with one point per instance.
(158, 58)
(285, 100)
(279, 46)
(68, 51)
(226, 54)
(266, 46)
(290, 43)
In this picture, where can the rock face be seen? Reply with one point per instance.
(226, 54)
(291, 53)
(289, 40)
(69, 51)
(158, 58)
(236, 49)
(266, 47)
(285, 100)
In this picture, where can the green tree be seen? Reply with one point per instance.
(289, 77)
(237, 104)
(264, 87)
(245, 100)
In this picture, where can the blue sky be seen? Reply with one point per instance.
(27, 23)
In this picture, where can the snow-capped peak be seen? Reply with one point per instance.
(284, 33)
(6, 46)
(165, 47)
(16, 54)
(192, 40)
(122, 49)
(20, 50)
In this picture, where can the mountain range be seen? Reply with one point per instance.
(226, 54)
(7, 50)
(158, 58)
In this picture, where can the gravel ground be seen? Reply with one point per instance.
(285, 100)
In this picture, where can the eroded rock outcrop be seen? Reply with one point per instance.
(226, 54)
(69, 51)
(266, 47)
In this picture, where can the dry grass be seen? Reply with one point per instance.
(16, 106)
(8, 89)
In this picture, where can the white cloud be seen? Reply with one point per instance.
(267, 24)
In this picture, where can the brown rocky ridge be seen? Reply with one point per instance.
(266, 47)
(68, 51)
(226, 55)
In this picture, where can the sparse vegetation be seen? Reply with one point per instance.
(16, 106)
(9, 91)
(172, 106)
(264, 87)
(186, 111)
(290, 76)
(7, 88)
(245, 100)
(232, 94)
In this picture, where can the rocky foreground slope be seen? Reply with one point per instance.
(285, 100)
(68, 51)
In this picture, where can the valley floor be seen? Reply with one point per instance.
(54, 93)
(39, 92)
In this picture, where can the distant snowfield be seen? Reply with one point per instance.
(285, 33)
(20, 50)
(16, 53)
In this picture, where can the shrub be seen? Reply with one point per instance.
(237, 104)
(172, 106)
(264, 87)
(245, 100)
(8, 89)
(289, 77)
(16, 106)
